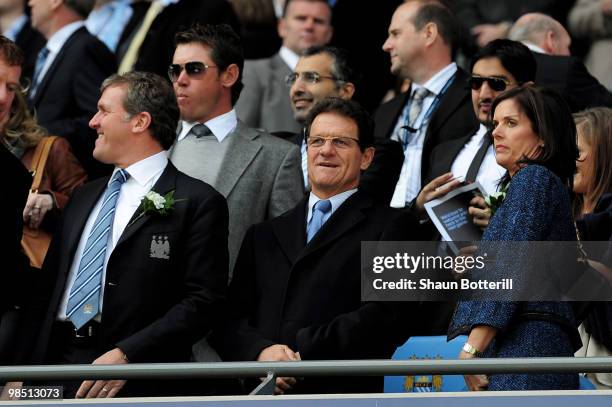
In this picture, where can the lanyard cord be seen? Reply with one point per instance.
(412, 130)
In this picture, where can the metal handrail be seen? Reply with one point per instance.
(306, 368)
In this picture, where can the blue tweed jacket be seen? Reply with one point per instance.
(537, 208)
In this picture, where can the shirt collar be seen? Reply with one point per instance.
(482, 131)
(166, 3)
(57, 40)
(15, 28)
(220, 126)
(437, 82)
(289, 57)
(335, 201)
(145, 170)
(533, 47)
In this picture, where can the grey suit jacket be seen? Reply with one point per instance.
(264, 101)
(261, 178)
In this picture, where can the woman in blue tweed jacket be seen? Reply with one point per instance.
(535, 140)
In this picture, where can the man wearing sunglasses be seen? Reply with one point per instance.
(258, 174)
(264, 102)
(307, 262)
(499, 66)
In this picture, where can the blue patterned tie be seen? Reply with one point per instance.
(40, 63)
(319, 210)
(84, 298)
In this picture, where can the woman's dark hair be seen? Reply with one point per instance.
(551, 120)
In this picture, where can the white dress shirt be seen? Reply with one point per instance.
(289, 57)
(143, 176)
(220, 126)
(533, 47)
(489, 172)
(409, 183)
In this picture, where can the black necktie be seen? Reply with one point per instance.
(478, 158)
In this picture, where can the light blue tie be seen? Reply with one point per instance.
(40, 63)
(319, 210)
(84, 298)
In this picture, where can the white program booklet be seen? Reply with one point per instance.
(450, 215)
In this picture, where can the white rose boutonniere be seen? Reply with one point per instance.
(155, 204)
(495, 200)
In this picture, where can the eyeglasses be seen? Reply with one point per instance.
(308, 77)
(341, 143)
(192, 68)
(497, 84)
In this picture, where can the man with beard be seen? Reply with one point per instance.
(327, 72)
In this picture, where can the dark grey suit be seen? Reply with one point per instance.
(67, 95)
(264, 102)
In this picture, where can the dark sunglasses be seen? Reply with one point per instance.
(192, 69)
(497, 84)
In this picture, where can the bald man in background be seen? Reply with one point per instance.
(557, 69)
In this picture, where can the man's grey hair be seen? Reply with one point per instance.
(81, 7)
(533, 28)
(148, 92)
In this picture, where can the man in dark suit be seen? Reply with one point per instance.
(69, 72)
(557, 69)
(296, 289)
(499, 66)
(437, 107)
(131, 281)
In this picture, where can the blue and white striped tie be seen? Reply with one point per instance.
(84, 298)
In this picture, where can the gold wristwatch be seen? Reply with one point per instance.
(471, 350)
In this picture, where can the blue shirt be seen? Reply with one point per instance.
(335, 201)
(108, 22)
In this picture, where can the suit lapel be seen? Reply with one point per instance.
(165, 184)
(290, 228)
(50, 74)
(393, 111)
(241, 151)
(449, 103)
(290, 238)
(343, 219)
(82, 211)
(279, 68)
